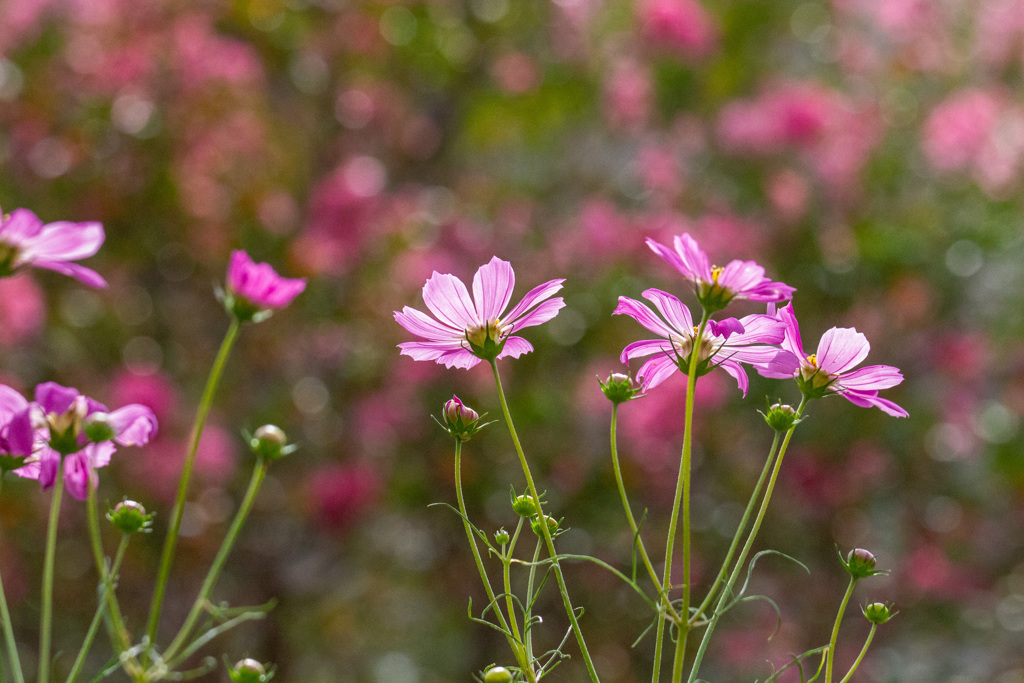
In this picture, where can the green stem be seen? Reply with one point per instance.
(12, 646)
(167, 556)
(739, 532)
(682, 499)
(860, 657)
(258, 473)
(108, 588)
(548, 541)
(119, 637)
(835, 631)
(746, 548)
(513, 640)
(46, 624)
(529, 601)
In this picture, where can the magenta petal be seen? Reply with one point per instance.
(760, 329)
(870, 399)
(725, 328)
(515, 347)
(872, 378)
(458, 359)
(11, 403)
(78, 476)
(737, 372)
(840, 349)
(643, 315)
(64, 241)
(98, 454)
(87, 276)
(672, 309)
(532, 298)
(134, 425)
(543, 313)
(259, 283)
(448, 299)
(422, 325)
(21, 434)
(646, 347)
(741, 276)
(430, 350)
(670, 257)
(694, 259)
(783, 365)
(54, 398)
(20, 228)
(492, 288)
(792, 341)
(655, 371)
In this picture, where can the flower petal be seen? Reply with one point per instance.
(532, 298)
(643, 315)
(693, 258)
(737, 372)
(840, 349)
(134, 425)
(87, 276)
(492, 288)
(543, 313)
(422, 325)
(515, 347)
(870, 399)
(448, 299)
(646, 347)
(672, 309)
(655, 371)
(64, 241)
(871, 378)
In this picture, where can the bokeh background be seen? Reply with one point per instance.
(868, 152)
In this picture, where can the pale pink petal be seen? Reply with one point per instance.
(21, 227)
(492, 288)
(840, 349)
(871, 378)
(643, 315)
(672, 309)
(792, 341)
(737, 372)
(646, 347)
(422, 325)
(740, 276)
(783, 365)
(655, 371)
(11, 402)
(78, 475)
(755, 355)
(134, 425)
(87, 276)
(64, 241)
(870, 399)
(98, 454)
(543, 313)
(429, 350)
(448, 299)
(670, 257)
(695, 260)
(532, 298)
(515, 347)
(458, 358)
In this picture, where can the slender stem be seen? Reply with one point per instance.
(119, 637)
(46, 624)
(167, 556)
(682, 499)
(108, 588)
(513, 640)
(723, 598)
(835, 631)
(548, 541)
(12, 646)
(529, 601)
(860, 657)
(258, 473)
(754, 497)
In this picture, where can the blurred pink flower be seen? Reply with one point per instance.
(155, 391)
(628, 94)
(202, 56)
(257, 287)
(999, 37)
(515, 73)
(22, 309)
(683, 27)
(470, 329)
(336, 495)
(26, 241)
(959, 127)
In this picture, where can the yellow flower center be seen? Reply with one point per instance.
(492, 329)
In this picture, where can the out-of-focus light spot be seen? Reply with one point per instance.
(81, 307)
(135, 307)
(943, 514)
(725, 517)
(310, 396)
(568, 327)
(131, 113)
(947, 442)
(50, 158)
(309, 73)
(964, 258)
(354, 109)
(810, 22)
(11, 80)
(175, 263)
(84, 54)
(457, 44)
(365, 176)
(995, 423)
(438, 204)
(193, 520)
(421, 137)
(489, 10)
(412, 546)
(143, 355)
(216, 504)
(278, 213)
(1010, 613)
(396, 667)
(266, 15)
(398, 25)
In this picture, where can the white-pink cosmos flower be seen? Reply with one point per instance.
(26, 241)
(725, 344)
(829, 370)
(470, 329)
(716, 287)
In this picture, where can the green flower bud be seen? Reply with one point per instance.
(524, 506)
(860, 563)
(249, 671)
(878, 612)
(97, 428)
(552, 525)
(619, 388)
(498, 674)
(270, 442)
(501, 537)
(781, 417)
(460, 421)
(130, 517)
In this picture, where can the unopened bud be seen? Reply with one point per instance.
(130, 517)
(619, 388)
(501, 537)
(249, 671)
(498, 674)
(781, 417)
(552, 525)
(460, 420)
(270, 442)
(878, 612)
(524, 506)
(860, 563)
(97, 428)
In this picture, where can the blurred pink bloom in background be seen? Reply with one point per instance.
(258, 284)
(26, 241)
(22, 309)
(682, 27)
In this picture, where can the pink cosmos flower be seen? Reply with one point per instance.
(829, 369)
(716, 287)
(468, 330)
(726, 343)
(254, 288)
(26, 241)
(65, 426)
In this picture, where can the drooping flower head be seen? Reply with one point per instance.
(716, 287)
(725, 343)
(470, 329)
(26, 241)
(254, 289)
(67, 427)
(16, 435)
(829, 370)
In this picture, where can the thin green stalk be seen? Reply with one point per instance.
(167, 556)
(529, 601)
(513, 640)
(746, 548)
(835, 630)
(119, 637)
(108, 588)
(860, 657)
(754, 497)
(548, 541)
(12, 646)
(682, 498)
(46, 623)
(258, 473)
